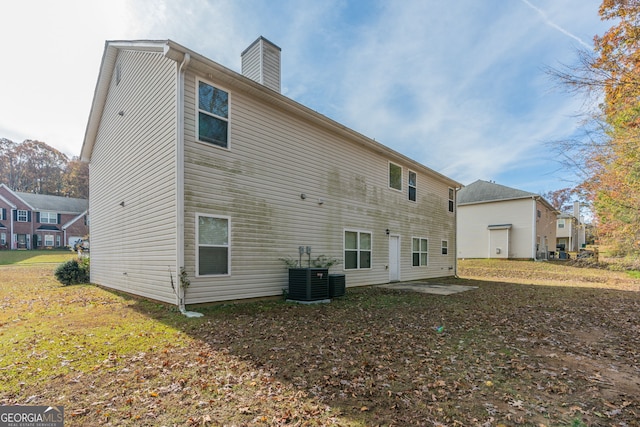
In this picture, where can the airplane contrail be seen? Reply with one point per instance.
(552, 24)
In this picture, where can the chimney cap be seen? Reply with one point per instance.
(257, 41)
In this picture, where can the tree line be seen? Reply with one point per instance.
(607, 155)
(35, 167)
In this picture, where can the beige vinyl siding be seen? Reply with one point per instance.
(133, 246)
(261, 63)
(474, 236)
(251, 63)
(274, 158)
(546, 227)
(271, 67)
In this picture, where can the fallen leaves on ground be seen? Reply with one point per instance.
(509, 354)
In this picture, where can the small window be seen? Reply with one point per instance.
(452, 198)
(561, 223)
(213, 115)
(3, 238)
(22, 216)
(57, 240)
(539, 213)
(395, 176)
(357, 250)
(420, 252)
(48, 218)
(412, 186)
(213, 245)
(445, 247)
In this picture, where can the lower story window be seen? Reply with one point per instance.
(357, 250)
(3, 238)
(420, 252)
(48, 240)
(213, 245)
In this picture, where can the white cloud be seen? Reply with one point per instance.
(457, 85)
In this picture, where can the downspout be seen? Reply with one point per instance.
(455, 233)
(11, 238)
(180, 187)
(534, 227)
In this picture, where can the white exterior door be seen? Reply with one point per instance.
(394, 258)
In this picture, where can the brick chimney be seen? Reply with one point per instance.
(261, 63)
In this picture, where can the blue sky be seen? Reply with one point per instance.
(457, 85)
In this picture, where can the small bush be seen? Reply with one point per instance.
(73, 272)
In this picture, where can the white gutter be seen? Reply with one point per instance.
(180, 294)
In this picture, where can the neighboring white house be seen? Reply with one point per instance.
(495, 221)
(197, 168)
(571, 233)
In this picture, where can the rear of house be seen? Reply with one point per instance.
(221, 177)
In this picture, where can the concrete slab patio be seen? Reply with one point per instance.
(429, 287)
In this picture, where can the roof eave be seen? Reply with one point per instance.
(176, 52)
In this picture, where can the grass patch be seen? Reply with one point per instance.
(634, 274)
(35, 257)
(536, 343)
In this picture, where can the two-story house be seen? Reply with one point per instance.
(34, 221)
(198, 170)
(496, 221)
(570, 233)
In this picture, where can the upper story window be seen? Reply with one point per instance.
(213, 115)
(48, 218)
(412, 184)
(357, 249)
(561, 223)
(395, 176)
(22, 215)
(452, 198)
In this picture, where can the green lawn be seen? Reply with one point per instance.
(35, 257)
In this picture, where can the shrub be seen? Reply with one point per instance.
(73, 272)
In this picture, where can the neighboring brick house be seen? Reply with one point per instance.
(38, 221)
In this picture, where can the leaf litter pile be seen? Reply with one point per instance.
(504, 354)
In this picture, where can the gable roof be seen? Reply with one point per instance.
(197, 62)
(484, 191)
(58, 204)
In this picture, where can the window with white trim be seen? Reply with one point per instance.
(22, 215)
(48, 218)
(445, 247)
(213, 255)
(3, 238)
(452, 195)
(561, 223)
(48, 239)
(412, 186)
(213, 115)
(420, 252)
(395, 176)
(357, 250)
